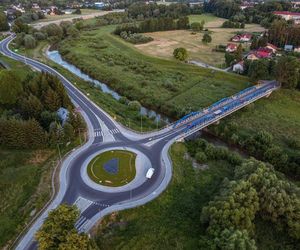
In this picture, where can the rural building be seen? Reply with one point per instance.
(287, 15)
(231, 47)
(238, 67)
(272, 47)
(261, 53)
(288, 48)
(297, 49)
(63, 114)
(242, 38)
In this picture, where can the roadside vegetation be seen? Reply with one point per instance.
(28, 154)
(209, 185)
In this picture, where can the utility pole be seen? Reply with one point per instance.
(141, 123)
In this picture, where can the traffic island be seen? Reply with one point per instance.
(113, 168)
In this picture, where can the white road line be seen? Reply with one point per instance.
(81, 222)
(82, 203)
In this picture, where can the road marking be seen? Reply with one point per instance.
(100, 204)
(114, 131)
(82, 203)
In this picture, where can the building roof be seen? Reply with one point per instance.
(286, 13)
(232, 45)
(272, 46)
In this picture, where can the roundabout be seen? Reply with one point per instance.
(112, 168)
(115, 169)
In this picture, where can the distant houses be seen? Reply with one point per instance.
(261, 53)
(288, 15)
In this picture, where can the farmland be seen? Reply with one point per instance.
(166, 41)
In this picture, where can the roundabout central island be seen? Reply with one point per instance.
(113, 168)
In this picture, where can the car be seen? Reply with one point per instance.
(149, 173)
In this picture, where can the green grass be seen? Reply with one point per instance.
(279, 115)
(156, 83)
(207, 18)
(172, 221)
(126, 168)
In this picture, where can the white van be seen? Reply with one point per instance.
(150, 172)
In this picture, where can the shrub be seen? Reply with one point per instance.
(180, 54)
(134, 105)
(29, 42)
(206, 38)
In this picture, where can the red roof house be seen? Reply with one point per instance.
(231, 47)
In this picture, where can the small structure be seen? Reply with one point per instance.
(231, 47)
(297, 49)
(99, 5)
(288, 48)
(238, 67)
(63, 114)
(246, 37)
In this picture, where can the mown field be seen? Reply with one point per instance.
(155, 82)
(165, 42)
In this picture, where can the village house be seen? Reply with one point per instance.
(231, 47)
(271, 47)
(242, 38)
(297, 49)
(261, 53)
(238, 67)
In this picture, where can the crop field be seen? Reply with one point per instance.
(165, 42)
(112, 168)
(156, 83)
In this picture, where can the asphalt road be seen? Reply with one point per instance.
(75, 186)
(154, 146)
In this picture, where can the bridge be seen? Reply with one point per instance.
(196, 121)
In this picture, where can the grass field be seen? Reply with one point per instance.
(125, 168)
(165, 42)
(155, 82)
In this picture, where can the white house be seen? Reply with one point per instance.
(238, 67)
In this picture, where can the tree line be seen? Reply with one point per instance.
(28, 116)
(154, 24)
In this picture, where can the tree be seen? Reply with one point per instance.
(29, 42)
(75, 241)
(3, 22)
(58, 228)
(229, 58)
(196, 26)
(10, 87)
(287, 71)
(258, 70)
(180, 54)
(206, 38)
(238, 54)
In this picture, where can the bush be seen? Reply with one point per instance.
(201, 157)
(134, 105)
(40, 36)
(206, 38)
(180, 54)
(135, 38)
(29, 42)
(196, 26)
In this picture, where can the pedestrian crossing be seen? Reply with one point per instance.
(81, 223)
(82, 203)
(100, 133)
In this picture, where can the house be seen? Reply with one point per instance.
(242, 38)
(238, 67)
(297, 49)
(11, 14)
(288, 15)
(63, 114)
(288, 48)
(261, 53)
(271, 47)
(231, 47)
(35, 7)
